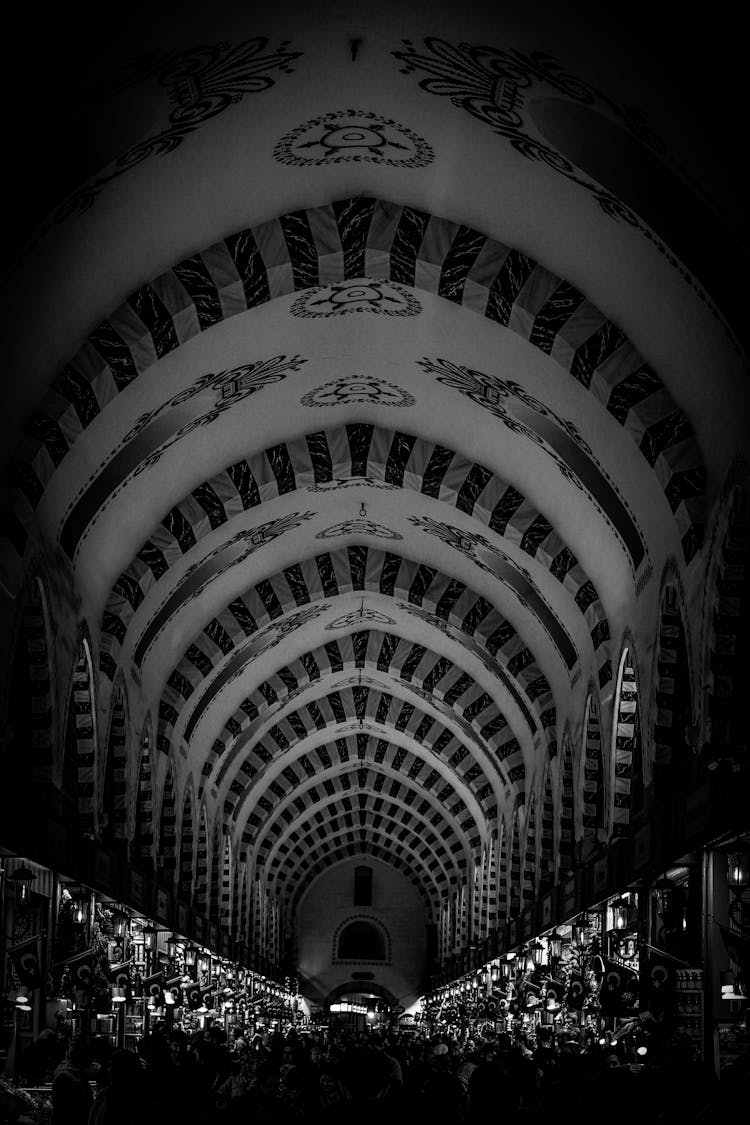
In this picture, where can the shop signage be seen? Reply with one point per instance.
(641, 847)
(137, 889)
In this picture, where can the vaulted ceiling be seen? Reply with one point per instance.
(365, 370)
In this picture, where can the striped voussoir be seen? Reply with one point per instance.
(225, 905)
(442, 684)
(114, 817)
(530, 865)
(82, 714)
(345, 845)
(34, 633)
(200, 886)
(547, 840)
(593, 771)
(672, 670)
(356, 568)
(426, 854)
(144, 809)
(367, 238)
(214, 887)
(567, 841)
(253, 798)
(352, 452)
(274, 812)
(167, 852)
(627, 735)
(187, 854)
(516, 897)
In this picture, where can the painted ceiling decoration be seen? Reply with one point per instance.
(375, 448)
(290, 253)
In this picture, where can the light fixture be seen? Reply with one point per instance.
(22, 998)
(149, 936)
(23, 877)
(191, 953)
(362, 511)
(738, 869)
(119, 995)
(620, 913)
(554, 945)
(174, 942)
(537, 954)
(494, 973)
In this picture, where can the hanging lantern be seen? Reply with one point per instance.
(191, 953)
(149, 937)
(494, 973)
(537, 953)
(23, 877)
(738, 869)
(665, 891)
(620, 908)
(554, 945)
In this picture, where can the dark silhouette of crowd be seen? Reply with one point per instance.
(342, 1075)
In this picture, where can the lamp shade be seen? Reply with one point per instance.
(738, 869)
(23, 877)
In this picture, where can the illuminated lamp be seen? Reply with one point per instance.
(23, 877)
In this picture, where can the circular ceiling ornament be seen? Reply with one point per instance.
(341, 392)
(349, 136)
(358, 295)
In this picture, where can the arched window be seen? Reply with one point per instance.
(361, 941)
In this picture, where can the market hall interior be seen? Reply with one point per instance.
(373, 579)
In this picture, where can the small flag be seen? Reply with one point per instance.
(153, 988)
(26, 958)
(576, 991)
(81, 969)
(618, 994)
(193, 997)
(119, 977)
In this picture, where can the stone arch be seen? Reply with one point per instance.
(143, 837)
(113, 817)
(628, 780)
(362, 937)
(80, 750)
(567, 808)
(593, 777)
(727, 655)
(356, 987)
(187, 848)
(673, 697)
(167, 849)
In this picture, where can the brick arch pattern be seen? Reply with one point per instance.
(427, 855)
(345, 845)
(143, 841)
(516, 899)
(501, 846)
(113, 816)
(167, 853)
(592, 782)
(365, 792)
(673, 693)
(628, 764)
(358, 451)
(187, 849)
(80, 766)
(567, 808)
(434, 679)
(727, 647)
(364, 237)
(359, 568)
(300, 727)
(372, 920)
(225, 895)
(546, 833)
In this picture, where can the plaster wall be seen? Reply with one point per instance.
(329, 904)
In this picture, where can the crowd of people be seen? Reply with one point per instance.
(340, 1075)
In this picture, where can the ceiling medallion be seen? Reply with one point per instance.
(356, 617)
(350, 136)
(341, 392)
(359, 295)
(358, 527)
